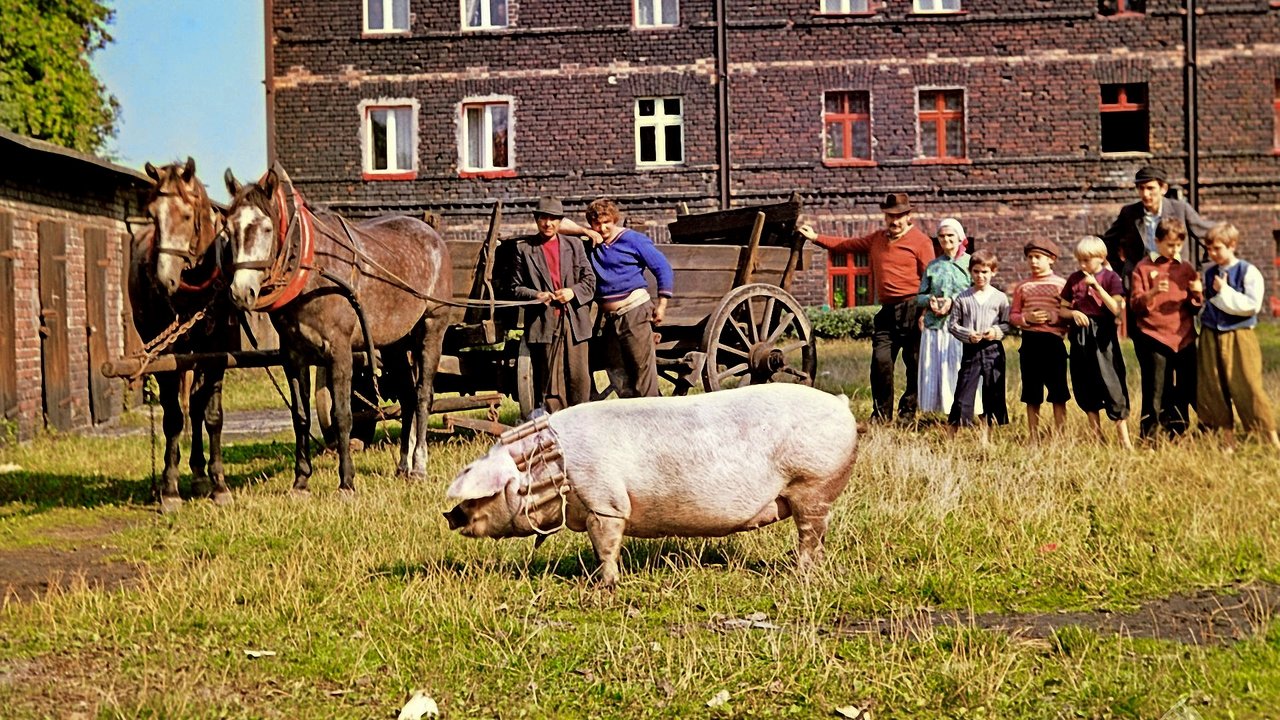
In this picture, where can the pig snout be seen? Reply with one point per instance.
(457, 517)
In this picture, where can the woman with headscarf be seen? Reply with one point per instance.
(944, 278)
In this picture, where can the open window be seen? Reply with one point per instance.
(1125, 119)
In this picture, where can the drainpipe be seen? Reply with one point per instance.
(1190, 112)
(722, 100)
(270, 81)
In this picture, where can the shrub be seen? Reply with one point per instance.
(854, 322)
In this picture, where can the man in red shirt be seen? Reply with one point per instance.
(899, 254)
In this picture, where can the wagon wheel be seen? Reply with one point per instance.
(758, 334)
(524, 380)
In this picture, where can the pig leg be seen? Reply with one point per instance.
(811, 509)
(606, 538)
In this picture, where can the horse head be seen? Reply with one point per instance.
(251, 226)
(185, 222)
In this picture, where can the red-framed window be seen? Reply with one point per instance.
(1276, 108)
(1109, 8)
(846, 126)
(942, 124)
(1125, 119)
(849, 280)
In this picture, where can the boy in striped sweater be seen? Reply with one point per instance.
(1043, 355)
(980, 319)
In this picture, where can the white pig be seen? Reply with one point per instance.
(699, 466)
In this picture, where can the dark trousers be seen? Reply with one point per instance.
(632, 357)
(895, 328)
(981, 363)
(561, 372)
(1097, 369)
(1168, 384)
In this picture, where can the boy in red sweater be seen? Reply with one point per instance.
(1043, 355)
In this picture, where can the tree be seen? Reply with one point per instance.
(47, 88)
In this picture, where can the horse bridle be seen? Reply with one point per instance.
(191, 256)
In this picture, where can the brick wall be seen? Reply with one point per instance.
(1030, 72)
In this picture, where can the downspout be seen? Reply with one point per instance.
(722, 101)
(270, 81)
(1190, 112)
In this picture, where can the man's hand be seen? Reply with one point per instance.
(1036, 317)
(1080, 318)
(1162, 285)
(808, 232)
(545, 297)
(990, 334)
(563, 295)
(596, 238)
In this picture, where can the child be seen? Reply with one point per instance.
(944, 278)
(1043, 356)
(979, 319)
(1166, 294)
(1230, 359)
(1093, 297)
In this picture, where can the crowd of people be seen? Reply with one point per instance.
(948, 321)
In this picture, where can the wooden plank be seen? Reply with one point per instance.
(54, 348)
(732, 227)
(102, 403)
(724, 257)
(132, 343)
(747, 261)
(8, 322)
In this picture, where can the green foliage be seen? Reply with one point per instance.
(47, 88)
(854, 322)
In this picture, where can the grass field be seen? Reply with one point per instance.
(364, 601)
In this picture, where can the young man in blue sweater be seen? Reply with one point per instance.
(627, 312)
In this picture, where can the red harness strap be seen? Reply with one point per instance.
(288, 292)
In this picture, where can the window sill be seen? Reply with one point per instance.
(488, 174)
(484, 29)
(382, 175)
(942, 161)
(853, 162)
(1122, 16)
(1122, 154)
(377, 34)
(837, 16)
(659, 166)
(934, 13)
(646, 28)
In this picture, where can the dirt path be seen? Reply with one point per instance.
(77, 555)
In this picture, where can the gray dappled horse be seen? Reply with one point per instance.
(293, 264)
(174, 273)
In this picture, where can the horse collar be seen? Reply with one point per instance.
(296, 250)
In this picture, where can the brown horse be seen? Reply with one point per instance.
(174, 274)
(309, 271)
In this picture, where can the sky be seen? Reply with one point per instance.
(188, 75)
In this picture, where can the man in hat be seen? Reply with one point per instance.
(899, 253)
(553, 269)
(1132, 235)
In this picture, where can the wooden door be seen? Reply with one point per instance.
(8, 322)
(54, 349)
(102, 402)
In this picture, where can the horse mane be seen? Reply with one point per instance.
(253, 194)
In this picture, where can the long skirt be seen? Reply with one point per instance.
(939, 369)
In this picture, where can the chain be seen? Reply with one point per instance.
(166, 339)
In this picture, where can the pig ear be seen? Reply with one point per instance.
(481, 480)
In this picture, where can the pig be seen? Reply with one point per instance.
(698, 466)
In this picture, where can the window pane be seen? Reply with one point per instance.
(474, 17)
(861, 260)
(498, 114)
(375, 14)
(929, 139)
(830, 6)
(835, 140)
(955, 138)
(669, 11)
(646, 106)
(404, 138)
(924, 5)
(1110, 94)
(648, 144)
(859, 102)
(951, 5)
(928, 101)
(831, 102)
(675, 153)
(840, 291)
(671, 106)
(644, 12)
(858, 6)
(475, 137)
(400, 14)
(498, 13)
(861, 140)
(953, 101)
(378, 138)
(838, 259)
(862, 291)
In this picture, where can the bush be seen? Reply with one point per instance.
(854, 322)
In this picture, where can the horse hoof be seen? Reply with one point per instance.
(414, 476)
(221, 498)
(356, 445)
(170, 504)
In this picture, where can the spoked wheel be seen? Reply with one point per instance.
(759, 334)
(524, 380)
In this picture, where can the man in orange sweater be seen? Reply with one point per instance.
(899, 254)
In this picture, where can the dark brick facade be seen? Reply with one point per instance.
(1030, 71)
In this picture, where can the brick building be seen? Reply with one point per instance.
(1018, 117)
(63, 268)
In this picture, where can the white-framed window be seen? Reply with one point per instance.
(484, 14)
(937, 6)
(659, 131)
(389, 138)
(657, 13)
(386, 16)
(844, 7)
(485, 144)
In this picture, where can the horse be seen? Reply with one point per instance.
(310, 271)
(174, 274)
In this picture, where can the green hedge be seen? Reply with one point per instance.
(854, 322)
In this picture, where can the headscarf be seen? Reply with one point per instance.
(959, 230)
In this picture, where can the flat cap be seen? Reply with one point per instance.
(548, 205)
(1147, 173)
(1043, 245)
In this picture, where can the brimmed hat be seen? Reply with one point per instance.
(548, 205)
(896, 204)
(1044, 245)
(1147, 173)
